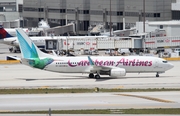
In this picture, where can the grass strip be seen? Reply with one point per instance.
(153, 111)
(104, 111)
(81, 90)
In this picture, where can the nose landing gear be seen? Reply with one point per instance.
(91, 75)
(157, 74)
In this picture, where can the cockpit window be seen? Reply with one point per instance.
(164, 61)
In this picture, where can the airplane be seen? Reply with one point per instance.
(39, 41)
(9, 32)
(114, 66)
(4, 33)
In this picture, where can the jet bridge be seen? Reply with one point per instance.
(59, 30)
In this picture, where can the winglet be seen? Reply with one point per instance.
(91, 62)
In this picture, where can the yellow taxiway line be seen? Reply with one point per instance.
(149, 98)
(9, 61)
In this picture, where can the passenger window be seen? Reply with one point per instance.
(164, 61)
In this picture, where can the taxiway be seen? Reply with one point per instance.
(77, 101)
(21, 76)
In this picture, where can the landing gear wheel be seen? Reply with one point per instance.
(157, 75)
(11, 49)
(91, 75)
(97, 76)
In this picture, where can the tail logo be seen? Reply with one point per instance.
(3, 33)
(40, 63)
(30, 52)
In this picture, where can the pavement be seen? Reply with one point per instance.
(21, 76)
(83, 115)
(78, 101)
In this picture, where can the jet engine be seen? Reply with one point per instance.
(117, 72)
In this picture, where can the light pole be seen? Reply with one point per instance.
(110, 26)
(143, 39)
(144, 16)
(66, 19)
(77, 20)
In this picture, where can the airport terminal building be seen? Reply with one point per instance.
(11, 13)
(91, 12)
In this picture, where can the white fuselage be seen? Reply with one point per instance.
(114, 66)
(132, 64)
(12, 31)
(40, 41)
(13, 41)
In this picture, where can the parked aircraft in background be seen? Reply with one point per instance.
(39, 41)
(9, 32)
(114, 66)
(4, 33)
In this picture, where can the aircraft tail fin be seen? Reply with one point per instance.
(27, 47)
(4, 33)
(31, 55)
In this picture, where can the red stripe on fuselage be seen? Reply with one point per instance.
(175, 40)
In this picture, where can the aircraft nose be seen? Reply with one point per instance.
(171, 65)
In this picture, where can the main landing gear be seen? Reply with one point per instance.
(14, 49)
(97, 76)
(157, 74)
(91, 75)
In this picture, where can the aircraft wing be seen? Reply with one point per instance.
(99, 68)
(108, 70)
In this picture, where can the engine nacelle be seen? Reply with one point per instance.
(117, 72)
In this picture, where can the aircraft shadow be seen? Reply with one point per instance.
(140, 77)
(60, 78)
(68, 77)
(3, 52)
(105, 79)
(145, 77)
(47, 79)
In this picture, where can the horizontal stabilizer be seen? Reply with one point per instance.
(13, 58)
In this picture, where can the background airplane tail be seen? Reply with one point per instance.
(4, 33)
